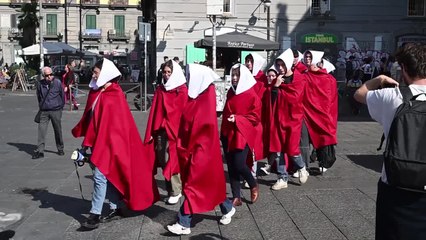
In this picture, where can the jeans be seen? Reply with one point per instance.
(185, 219)
(101, 189)
(280, 163)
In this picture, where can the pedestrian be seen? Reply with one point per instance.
(320, 108)
(200, 157)
(68, 80)
(286, 121)
(162, 128)
(123, 170)
(400, 213)
(51, 100)
(240, 117)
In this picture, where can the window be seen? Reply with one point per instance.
(319, 7)
(228, 7)
(119, 25)
(14, 20)
(51, 24)
(416, 8)
(91, 22)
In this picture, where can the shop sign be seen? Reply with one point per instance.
(319, 38)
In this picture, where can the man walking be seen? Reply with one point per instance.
(50, 96)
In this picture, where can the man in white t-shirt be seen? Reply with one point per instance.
(400, 214)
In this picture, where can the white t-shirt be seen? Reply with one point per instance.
(382, 105)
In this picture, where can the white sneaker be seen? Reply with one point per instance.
(174, 199)
(226, 219)
(246, 185)
(296, 174)
(303, 175)
(178, 229)
(280, 184)
(9, 218)
(266, 169)
(323, 169)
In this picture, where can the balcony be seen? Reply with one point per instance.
(115, 35)
(52, 35)
(51, 4)
(94, 4)
(14, 34)
(92, 35)
(118, 4)
(18, 3)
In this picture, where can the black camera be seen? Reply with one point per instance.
(80, 157)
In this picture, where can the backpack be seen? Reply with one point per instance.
(405, 152)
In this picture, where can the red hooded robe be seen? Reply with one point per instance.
(321, 108)
(200, 158)
(117, 149)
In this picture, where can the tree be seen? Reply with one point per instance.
(28, 23)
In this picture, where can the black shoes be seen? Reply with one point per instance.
(61, 153)
(37, 155)
(92, 221)
(115, 214)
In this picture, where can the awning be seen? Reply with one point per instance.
(50, 48)
(238, 40)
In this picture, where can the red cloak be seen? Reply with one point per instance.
(81, 128)
(246, 107)
(260, 88)
(200, 158)
(166, 111)
(320, 104)
(287, 118)
(117, 149)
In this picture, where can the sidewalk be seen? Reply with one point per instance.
(338, 205)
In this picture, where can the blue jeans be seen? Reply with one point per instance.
(280, 163)
(101, 189)
(185, 219)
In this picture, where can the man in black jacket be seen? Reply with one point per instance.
(51, 101)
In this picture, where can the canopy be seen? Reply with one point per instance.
(49, 48)
(238, 40)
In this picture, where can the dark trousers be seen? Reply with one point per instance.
(400, 214)
(304, 144)
(55, 117)
(237, 168)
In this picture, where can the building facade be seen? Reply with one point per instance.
(108, 27)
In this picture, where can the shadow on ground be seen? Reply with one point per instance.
(8, 234)
(71, 206)
(373, 162)
(24, 147)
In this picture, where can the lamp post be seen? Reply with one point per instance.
(267, 4)
(80, 34)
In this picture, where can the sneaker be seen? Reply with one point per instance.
(115, 214)
(279, 184)
(178, 229)
(226, 218)
(266, 169)
(296, 174)
(323, 169)
(8, 219)
(92, 221)
(303, 175)
(246, 185)
(174, 199)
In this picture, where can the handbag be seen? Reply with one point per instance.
(38, 115)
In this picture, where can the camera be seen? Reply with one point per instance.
(80, 157)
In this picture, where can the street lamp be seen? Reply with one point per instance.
(80, 34)
(267, 4)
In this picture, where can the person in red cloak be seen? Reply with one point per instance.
(320, 105)
(254, 62)
(169, 101)
(200, 158)
(241, 115)
(122, 169)
(286, 100)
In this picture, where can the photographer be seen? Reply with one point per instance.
(110, 131)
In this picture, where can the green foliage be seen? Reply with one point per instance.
(28, 22)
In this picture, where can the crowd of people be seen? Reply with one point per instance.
(274, 115)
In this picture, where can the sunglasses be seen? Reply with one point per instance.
(49, 74)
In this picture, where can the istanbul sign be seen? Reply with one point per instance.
(319, 38)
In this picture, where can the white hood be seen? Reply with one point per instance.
(108, 72)
(200, 78)
(328, 66)
(246, 81)
(287, 57)
(258, 62)
(177, 78)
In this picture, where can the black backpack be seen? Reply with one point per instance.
(405, 153)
